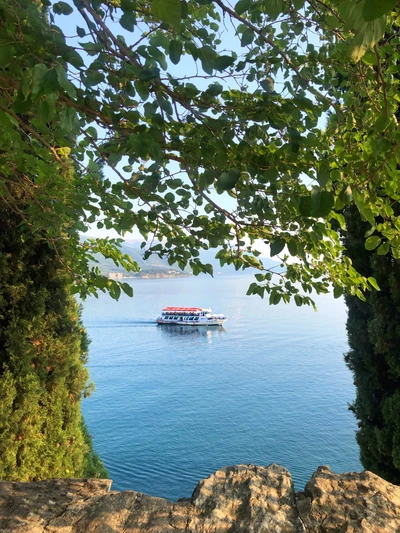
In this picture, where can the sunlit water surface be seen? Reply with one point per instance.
(174, 404)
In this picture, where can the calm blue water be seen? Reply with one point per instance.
(174, 404)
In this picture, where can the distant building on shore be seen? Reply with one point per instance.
(115, 275)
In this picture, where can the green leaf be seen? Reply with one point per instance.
(115, 290)
(269, 85)
(92, 48)
(374, 283)
(273, 8)
(252, 288)
(215, 89)
(39, 73)
(92, 132)
(148, 74)
(362, 207)
(337, 291)
(44, 81)
(322, 203)
(93, 78)
(372, 242)
(127, 289)
(374, 9)
(128, 20)
(305, 206)
(345, 196)
(168, 11)
(6, 55)
(80, 31)
(383, 249)
(68, 119)
(247, 37)
(170, 198)
(368, 35)
(277, 246)
(228, 179)
(323, 173)
(382, 123)
(207, 56)
(62, 8)
(65, 83)
(140, 144)
(292, 247)
(71, 56)
(223, 62)
(128, 5)
(294, 134)
(370, 58)
(370, 232)
(142, 90)
(275, 298)
(175, 51)
(242, 6)
(298, 300)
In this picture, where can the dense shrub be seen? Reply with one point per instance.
(374, 357)
(43, 350)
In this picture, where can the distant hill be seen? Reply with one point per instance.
(157, 267)
(153, 267)
(208, 256)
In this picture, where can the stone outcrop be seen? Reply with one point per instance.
(239, 499)
(349, 503)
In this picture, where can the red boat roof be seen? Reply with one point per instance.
(182, 309)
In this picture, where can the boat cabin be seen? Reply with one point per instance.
(185, 312)
(187, 316)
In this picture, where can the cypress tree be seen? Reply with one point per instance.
(42, 372)
(43, 351)
(374, 337)
(43, 345)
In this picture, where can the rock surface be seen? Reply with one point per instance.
(349, 503)
(239, 499)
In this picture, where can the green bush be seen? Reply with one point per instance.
(374, 338)
(43, 350)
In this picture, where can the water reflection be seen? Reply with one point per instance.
(174, 330)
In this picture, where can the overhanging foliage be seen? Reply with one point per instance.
(211, 122)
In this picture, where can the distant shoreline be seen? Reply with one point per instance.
(150, 276)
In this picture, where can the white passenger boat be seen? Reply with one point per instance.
(190, 316)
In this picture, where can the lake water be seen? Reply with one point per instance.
(174, 404)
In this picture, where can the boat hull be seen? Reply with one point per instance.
(188, 323)
(207, 322)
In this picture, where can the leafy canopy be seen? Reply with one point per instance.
(202, 125)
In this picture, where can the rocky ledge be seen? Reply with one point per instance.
(238, 499)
